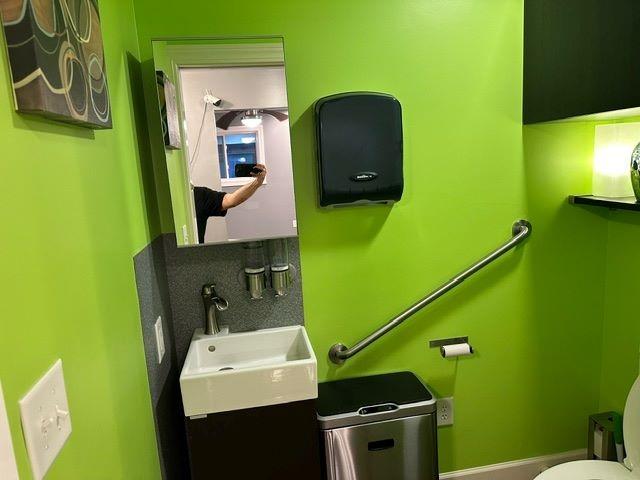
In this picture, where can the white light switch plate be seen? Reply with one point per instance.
(159, 339)
(46, 421)
(8, 468)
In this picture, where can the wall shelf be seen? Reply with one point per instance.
(623, 203)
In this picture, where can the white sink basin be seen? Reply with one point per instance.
(245, 370)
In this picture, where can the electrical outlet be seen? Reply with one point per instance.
(159, 339)
(444, 411)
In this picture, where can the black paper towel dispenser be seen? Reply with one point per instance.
(359, 147)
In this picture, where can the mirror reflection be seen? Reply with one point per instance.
(225, 125)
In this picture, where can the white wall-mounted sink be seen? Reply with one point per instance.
(245, 370)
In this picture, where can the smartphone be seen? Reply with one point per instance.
(246, 169)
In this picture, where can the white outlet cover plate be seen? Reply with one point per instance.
(444, 411)
(159, 339)
(46, 422)
(8, 467)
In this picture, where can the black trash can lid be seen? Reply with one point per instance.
(378, 396)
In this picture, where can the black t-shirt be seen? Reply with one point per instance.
(208, 204)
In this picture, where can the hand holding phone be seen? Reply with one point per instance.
(259, 171)
(245, 169)
(256, 170)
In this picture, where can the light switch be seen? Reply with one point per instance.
(159, 339)
(46, 420)
(8, 468)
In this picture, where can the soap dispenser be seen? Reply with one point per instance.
(279, 269)
(254, 271)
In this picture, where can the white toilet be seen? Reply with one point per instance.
(600, 470)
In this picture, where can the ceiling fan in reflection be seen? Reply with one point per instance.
(249, 118)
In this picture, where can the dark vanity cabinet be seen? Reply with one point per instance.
(581, 57)
(267, 443)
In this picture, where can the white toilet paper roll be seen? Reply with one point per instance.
(457, 350)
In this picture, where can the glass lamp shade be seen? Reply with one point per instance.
(614, 145)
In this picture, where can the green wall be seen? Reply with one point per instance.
(621, 333)
(621, 329)
(535, 317)
(75, 207)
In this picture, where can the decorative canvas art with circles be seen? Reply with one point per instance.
(57, 60)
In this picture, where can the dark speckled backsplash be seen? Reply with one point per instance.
(188, 269)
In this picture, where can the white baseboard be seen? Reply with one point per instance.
(526, 469)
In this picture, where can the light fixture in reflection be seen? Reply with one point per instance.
(251, 119)
(247, 140)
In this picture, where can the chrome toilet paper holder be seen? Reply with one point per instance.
(449, 341)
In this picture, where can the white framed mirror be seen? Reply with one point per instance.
(225, 121)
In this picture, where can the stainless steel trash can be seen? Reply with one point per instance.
(381, 427)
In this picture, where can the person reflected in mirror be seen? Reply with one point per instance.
(211, 203)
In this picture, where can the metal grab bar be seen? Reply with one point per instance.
(338, 353)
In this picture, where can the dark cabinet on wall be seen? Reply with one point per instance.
(581, 57)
